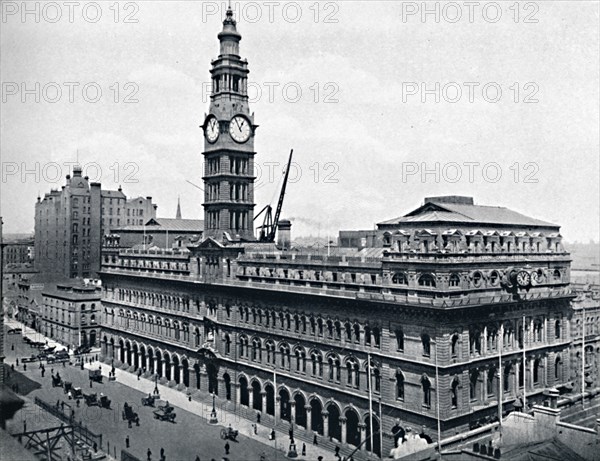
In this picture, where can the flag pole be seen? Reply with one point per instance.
(437, 402)
(524, 370)
(370, 400)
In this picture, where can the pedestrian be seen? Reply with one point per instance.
(255, 429)
(90, 383)
(52, 371)
(227, 448)
(257, 418)
(303, 449)
(149, 454)
(320, 458)
(95, 447)
(315, 440)
(24, 367)
(162, 453)
(12, 366)
(272, 436)
(127, 441)
(62, 406)
(57, 404)
(197, 458)
(43, 371)
(12, 347)
(337, 450)
(17, 362)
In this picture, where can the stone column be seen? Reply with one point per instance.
(293, 411)
(325, 416)
(343, 420)
(263, 406)
(277, 407)
(484, 341)
(180, 372)
(250, 397)
(484, 386)
(221, 387)
(308, 409)
(363, 434)
(203, 379)
(238, 396)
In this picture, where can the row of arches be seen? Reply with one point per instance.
(346, 425)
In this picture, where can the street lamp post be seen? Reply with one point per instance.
(213, 413)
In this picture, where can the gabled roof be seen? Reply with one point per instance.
(467, 213)
(112, 193)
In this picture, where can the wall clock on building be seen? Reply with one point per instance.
(523, 278)
(212, 129)
(239, 128)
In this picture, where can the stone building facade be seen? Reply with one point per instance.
(70, 224)
(446, 331)
(71, 314)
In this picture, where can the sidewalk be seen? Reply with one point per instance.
(203, 409)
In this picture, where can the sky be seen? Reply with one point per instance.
(384, 104)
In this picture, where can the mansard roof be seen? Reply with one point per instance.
(447, 212)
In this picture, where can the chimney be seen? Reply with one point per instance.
(284, 234)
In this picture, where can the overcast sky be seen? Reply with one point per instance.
(361, 132)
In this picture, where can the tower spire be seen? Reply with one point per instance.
(178, 215)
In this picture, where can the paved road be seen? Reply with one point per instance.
(188, 437)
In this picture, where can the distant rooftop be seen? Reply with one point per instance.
(165, 224)
(459, 209)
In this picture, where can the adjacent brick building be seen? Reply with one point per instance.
(71, 314)
(70, 224)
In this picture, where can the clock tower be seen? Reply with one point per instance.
(229, 144)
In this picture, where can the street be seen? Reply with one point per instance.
(203, 439)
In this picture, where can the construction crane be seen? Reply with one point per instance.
(269, 226)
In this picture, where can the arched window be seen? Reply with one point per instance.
(367, 335)
(399, 339)
(454, 393)
(387, 239)
(536, 371)
(227, 344)
(427, 280)
(376, 336)
(454, 345)
(557, 329)
(399, 278)
(256, 350)
(454, 280)
(399, 385)
(557, 368)
(473, 380)
(348, 330)
(426, 388)
(426, 341)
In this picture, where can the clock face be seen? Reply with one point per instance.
(239, 128)
(212, 129)
(523, 278)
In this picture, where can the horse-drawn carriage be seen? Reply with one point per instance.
(95, 375)
(91, 399)
(229, 433)
(148, 401)
(129, 415)
(165, 412)
(104, 401)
